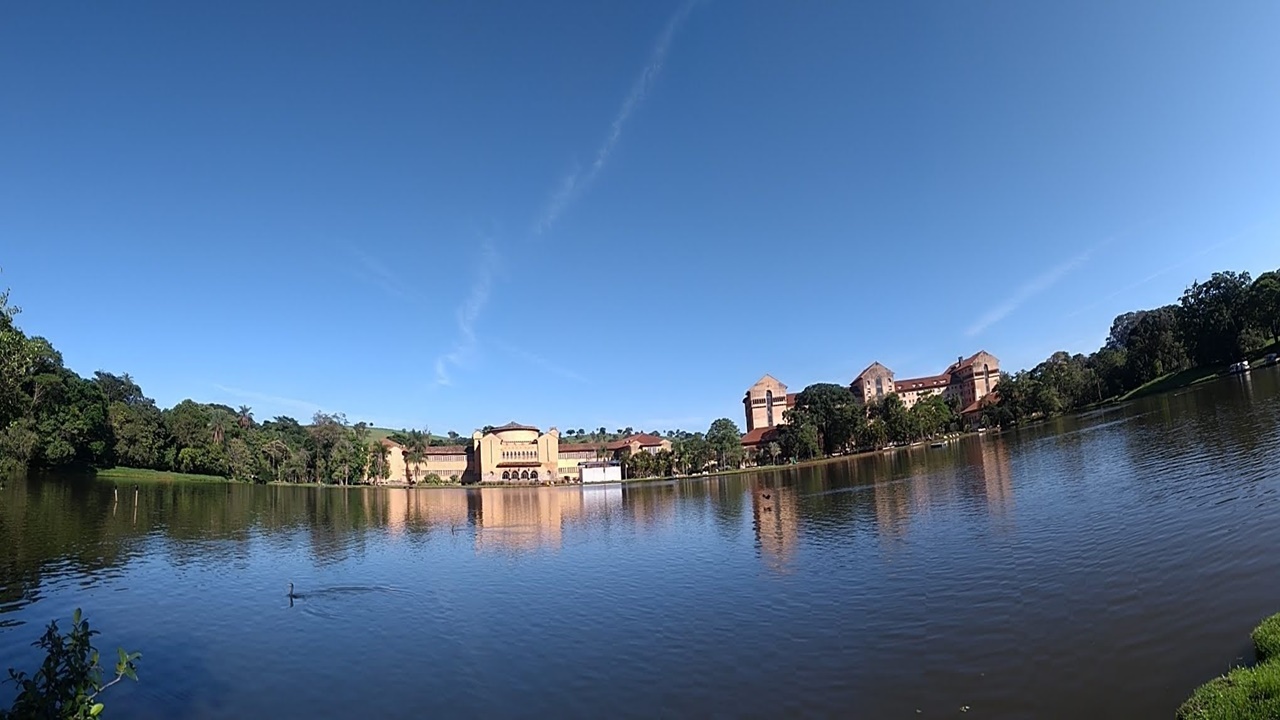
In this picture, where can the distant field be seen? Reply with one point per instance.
(139, 475)
(376, 434)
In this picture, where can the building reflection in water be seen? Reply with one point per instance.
(997, 477)
(500, 518)
(910, 483)
(776, 520)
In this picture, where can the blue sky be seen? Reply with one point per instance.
(581, 214)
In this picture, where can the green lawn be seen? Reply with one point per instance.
(1187, 378)
(1245, 693)
(121, 474)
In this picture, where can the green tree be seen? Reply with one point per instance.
(798, 438)
(726, 442)
(1263, 301)
(1213, 317)
(834, 411)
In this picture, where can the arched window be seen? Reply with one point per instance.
(506, 474)
(533, 474)
(986, 376)
(768, 404)
(524, 475)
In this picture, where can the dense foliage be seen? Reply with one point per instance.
(1222, 320)
(69, 680)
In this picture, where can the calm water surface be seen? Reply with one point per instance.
(1099, 566)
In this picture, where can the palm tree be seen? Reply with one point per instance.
(219, 427)
(276, 451)
(414, 453)
(380, 461)
(246, 416)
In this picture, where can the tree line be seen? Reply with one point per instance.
(827, 419)
(1222, 320)
(51, 418)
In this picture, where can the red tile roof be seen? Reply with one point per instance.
(431, 450)
(923, 383)
(642, 439)
(447, 450)
(760, 435)
(791, 400)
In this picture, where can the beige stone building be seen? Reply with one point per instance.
(968, 380)
(512, 453)
(766, 403)
(516, 453)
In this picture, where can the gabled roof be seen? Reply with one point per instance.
(767, 379)
(875, 366)
(965, 362)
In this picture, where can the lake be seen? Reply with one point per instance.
(1096, 566)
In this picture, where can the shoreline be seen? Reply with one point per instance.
(1159, 386)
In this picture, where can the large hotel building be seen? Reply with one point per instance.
(969, 380)
(514, 453)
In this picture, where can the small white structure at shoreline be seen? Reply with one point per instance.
(600, 472)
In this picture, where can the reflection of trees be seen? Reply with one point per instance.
(45, 523)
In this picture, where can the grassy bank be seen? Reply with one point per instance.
(1246, 693)
(1187, 378)
(139, 475)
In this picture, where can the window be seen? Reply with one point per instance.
(506, 474)
(533, 474)
(524, 475)
(768, 399)
(986, 376)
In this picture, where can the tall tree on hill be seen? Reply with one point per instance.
(1263, 301)
(726, 442)
(833, 411)
(1213, 319)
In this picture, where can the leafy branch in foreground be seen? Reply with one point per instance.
(69, 681)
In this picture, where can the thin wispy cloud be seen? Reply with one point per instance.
(539, 361)
(1187, 259)
(374, 272)
(576, 181)
(275, 401)
(467, 315)
(1028, 290)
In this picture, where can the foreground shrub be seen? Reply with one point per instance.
(67, 685)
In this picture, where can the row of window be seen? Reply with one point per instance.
(519, 474)
(519, 454)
